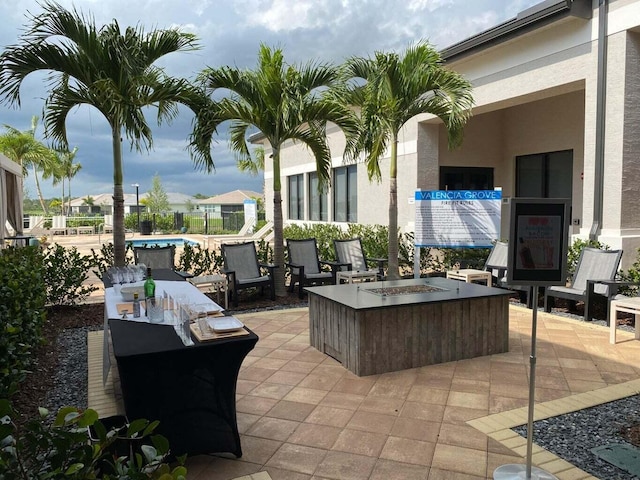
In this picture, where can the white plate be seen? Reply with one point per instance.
(225, 324)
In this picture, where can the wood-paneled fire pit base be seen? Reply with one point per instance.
(383, 327)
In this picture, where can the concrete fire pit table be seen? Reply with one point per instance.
(387, 326)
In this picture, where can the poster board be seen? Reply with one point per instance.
(538, 241)
(457, 218)
(251, 211)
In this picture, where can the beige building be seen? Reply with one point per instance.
(557, 114)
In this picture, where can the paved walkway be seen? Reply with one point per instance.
(302, 416)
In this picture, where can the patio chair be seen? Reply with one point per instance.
(59, 225)
(497, 264)
(350, 256)
(218, 240)
(108, 224)
(593, 265)
(158, 257)
(305, 267)
(243, 270)
(36, 226)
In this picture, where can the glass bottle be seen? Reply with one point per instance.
(149, 289)
(136, 306)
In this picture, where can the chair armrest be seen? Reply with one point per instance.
(613, 284)
(380, 262)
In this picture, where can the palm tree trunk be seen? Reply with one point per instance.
(118, 199)
(278, 236)
(40, 197)
(393, 272)
(62, 206)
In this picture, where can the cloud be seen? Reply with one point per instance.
(230, 33)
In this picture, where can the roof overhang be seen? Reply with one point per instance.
(530, 19)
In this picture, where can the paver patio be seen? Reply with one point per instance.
(303, 416)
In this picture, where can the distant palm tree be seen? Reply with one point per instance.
(64, 171)
(108, 69)
(397, 88)
(284, 102)
(25, 149)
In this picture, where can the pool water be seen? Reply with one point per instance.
(161, 242)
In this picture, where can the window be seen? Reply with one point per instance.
(345, 194)
(296, 197)
(317, 200)
(466, 178)
(545, 175)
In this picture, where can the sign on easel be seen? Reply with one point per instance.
(538, 244)
(457, 218)
(538, 241)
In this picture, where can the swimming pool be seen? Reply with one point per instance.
(162, 242)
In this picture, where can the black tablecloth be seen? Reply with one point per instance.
(190, 390)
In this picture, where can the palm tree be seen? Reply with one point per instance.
(284, 102)
(22, 147)
(397, 88)
(108, 69)
(64, 171)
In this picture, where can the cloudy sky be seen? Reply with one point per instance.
(230, 32)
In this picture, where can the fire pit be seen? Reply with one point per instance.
(394, 325)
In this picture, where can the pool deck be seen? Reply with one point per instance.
(303, 416)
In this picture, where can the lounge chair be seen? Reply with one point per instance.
(350, 256)
(59, 225)
(243, 270)
(108, 224)
(158, 257)
(218, 240)
(305, 266)
(36, 226)
(593, 265)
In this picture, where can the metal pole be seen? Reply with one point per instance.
(518, 471)
(532, 379)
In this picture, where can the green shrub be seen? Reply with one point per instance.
(264, 251)
(63, 449)
(199, 261)
(64, 273)
(632, 275)
(103, 259)
(465, 257)
(22, 313)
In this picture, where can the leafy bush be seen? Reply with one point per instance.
(22, 313)
(464, 257)
(102, 260)
(63, 449)
(632, 275)
(64, 273)
(324, 234)
(199, 261)
(264, 251)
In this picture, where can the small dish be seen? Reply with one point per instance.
(225, 324)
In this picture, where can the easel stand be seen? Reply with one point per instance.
(514, 471)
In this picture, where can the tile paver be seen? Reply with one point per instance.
(303, 417)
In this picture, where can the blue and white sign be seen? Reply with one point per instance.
(457, 218)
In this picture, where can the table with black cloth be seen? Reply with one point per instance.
(190, 389)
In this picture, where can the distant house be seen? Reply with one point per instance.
(219, 206)
(103, 203)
